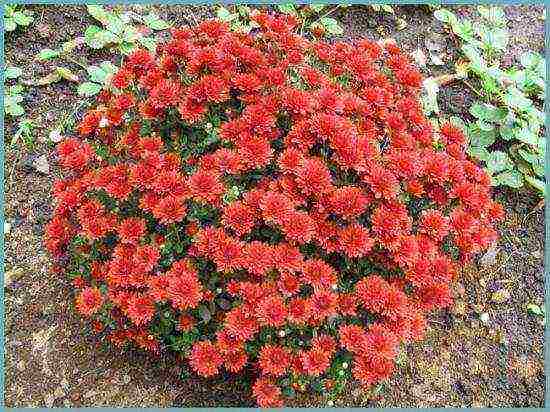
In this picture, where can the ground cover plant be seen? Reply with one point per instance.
(267, 203)
(507, 135)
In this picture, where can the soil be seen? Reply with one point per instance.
(478, 353)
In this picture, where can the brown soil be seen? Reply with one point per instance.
(52, 360)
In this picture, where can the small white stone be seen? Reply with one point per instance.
(55, 136)
(282, 333)
(484, 317)
(330, 403)
(345, 365)
(103, 122)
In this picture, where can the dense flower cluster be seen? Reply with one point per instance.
(270, 201)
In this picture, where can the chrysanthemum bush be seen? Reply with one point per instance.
(267, 203)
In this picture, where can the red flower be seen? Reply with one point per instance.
(89, 301)
(299, 227)
(205, 186)
(169, 209)
(271, 311)
(274, 360)
(348, 201)
(319, 274)
(184, 288)
(355, 241)
(315, 361)
(185, 323)
(131, 230)
(314, 177)
(205, 359)
(267, 394)
(434, 224)
(235, 361)
(323, 304)
(241, 324)
(352, 337)
(140, 309)
(239, 217)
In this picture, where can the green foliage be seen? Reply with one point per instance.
(13, 98)
(310, 17)
(14, 17)
(25, 132)
(99, 76)
(117, 30)
(239, 19)
(13, 95)
(508, 116)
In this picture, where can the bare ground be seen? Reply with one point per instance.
(52, 360)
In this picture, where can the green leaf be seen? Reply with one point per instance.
(479, 153)
(494, 15)
(287, 8)
(477, 63)
(97, 74)
(498, 161)
(511, 178)
(115, 24)
(494, 39)
(537, 184)
(507, 132)
(9, 24)
(98, 13)
(445, 16)
(15, 89)
(48, 54)
(97, 38)
(465, 30)
(66, 74)
(527, 136)
(331, 25)
(130, 34)
(14, 109)
(155, 23)
(126, 47)
(12, 72)
(535, 309)
(484, 126)
(225, 15)
(317, 7)
(516, 99)
(530, 59)
(22, 19)
(488, 113)
(480, 138)
(69, 46)
(108, 67)
(149, 43)
(88, 89)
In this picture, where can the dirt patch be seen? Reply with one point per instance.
(479, 353)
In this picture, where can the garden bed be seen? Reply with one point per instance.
(487, 350)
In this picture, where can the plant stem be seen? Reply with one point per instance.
(326, 14)
(472, 88)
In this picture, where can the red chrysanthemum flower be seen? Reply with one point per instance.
(140, 309)
(274, 360)
(89, 301)
(184, 288)
(131, 230)
(268, 395)
(205, 359)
